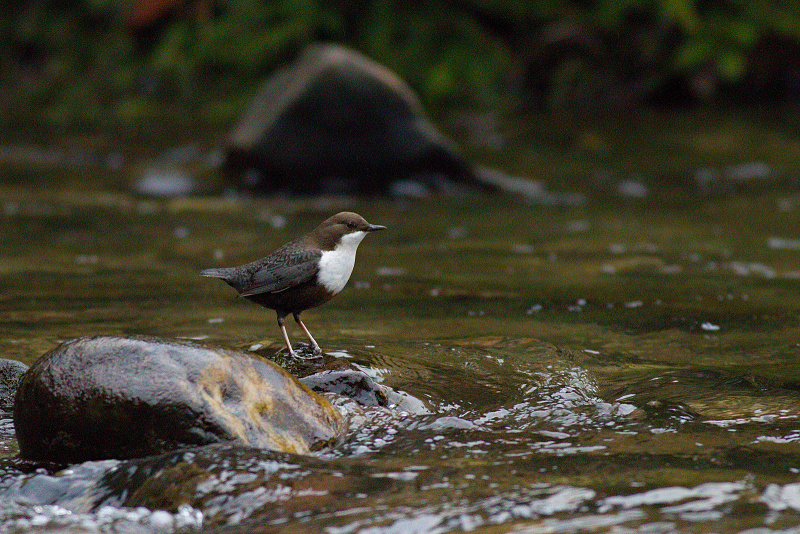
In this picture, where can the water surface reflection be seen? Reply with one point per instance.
(582, 368)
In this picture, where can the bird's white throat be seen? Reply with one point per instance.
(335, 266)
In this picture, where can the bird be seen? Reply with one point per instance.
(303, 273)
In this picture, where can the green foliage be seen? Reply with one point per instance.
(82, 60)
(444, 54)
(722, 41)
(252, 37)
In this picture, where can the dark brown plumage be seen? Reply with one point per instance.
(303, 273)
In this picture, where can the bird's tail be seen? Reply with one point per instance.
(223, 273)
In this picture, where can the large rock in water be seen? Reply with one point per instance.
(113, 397)
(337, 122)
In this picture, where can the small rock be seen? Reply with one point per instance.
(632, 188)
(164, 181)
(354, 384)
(755, 170)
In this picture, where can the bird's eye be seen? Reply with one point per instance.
(351, 225)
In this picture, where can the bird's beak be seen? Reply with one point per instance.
(375, 227)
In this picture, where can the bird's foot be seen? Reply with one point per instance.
(306, 352)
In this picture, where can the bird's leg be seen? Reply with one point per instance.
(282, 324)
(314, 345)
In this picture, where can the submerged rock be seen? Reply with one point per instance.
(114, 397)
(164, 181)
(337, 122)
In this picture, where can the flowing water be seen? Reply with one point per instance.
(624, 364)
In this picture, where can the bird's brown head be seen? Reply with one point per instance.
(332, 230)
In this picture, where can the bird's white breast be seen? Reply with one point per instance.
(335, 266)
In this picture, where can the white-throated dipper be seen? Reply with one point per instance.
(303, 273)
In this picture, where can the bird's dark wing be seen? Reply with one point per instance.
(284, 268)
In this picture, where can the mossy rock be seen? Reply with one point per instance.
(11, 372)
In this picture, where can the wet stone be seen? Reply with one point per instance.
(164, 181)
(114, 397)
(354, 384)
(332, 375)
